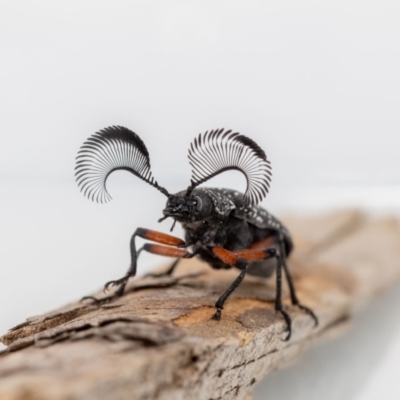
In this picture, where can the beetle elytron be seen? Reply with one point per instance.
(222, 226)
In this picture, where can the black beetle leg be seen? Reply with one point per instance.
(219, 305)
(131, 271)
(151, 248)
(145, 234)
(278, 297)
(240, 259)
(118, 293)
(292, 290)
(234, 260)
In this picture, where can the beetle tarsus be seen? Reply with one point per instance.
(288, 321)
(310, 313)
(117, 282)
(217, 315)
(101, 301)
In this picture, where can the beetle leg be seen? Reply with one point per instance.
(154, 236)
(166, 251)
(230, 258)
(151, 248)
(292, 290)
(257, 254)
(240, 260)
(278, 297)
(118, 293)
(159, 237)
(264, 243)
(219, 305)
(173, 266)
(149, 234)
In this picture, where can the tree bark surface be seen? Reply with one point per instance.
(159, 342)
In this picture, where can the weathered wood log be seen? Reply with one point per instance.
(158, 341)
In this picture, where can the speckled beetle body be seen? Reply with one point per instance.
(223, 227)
(234, 228)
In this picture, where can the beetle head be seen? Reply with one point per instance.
(195, 207)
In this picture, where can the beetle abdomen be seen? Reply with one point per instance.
(257, 216)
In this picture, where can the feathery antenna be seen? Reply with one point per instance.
(112, 149)
(218, 151)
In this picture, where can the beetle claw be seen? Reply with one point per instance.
(108, 285)
(117, 282)
(217, 315)
(310, 313)
(288, 321)
(99, 302)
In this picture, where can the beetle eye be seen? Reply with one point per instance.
(198, 203)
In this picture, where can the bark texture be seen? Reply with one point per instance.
(158, 341)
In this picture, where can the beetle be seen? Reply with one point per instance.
(223, 227)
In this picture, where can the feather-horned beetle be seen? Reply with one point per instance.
(222, 226)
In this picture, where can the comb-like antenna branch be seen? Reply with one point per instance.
(113, 148)
(218, 151)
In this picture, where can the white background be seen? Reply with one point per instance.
(316, 84)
